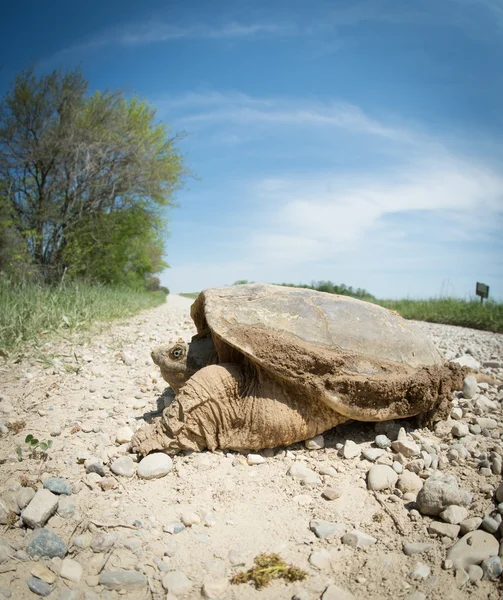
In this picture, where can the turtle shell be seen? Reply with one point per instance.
(248, 316)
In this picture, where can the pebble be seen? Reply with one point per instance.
(417, 595)
(486, 423)
(409, 482)
(320, 559)
(40, 509)
(189, 518)
(406, 448)
(324, 529)
(372, 454)
(350, 449)
(470, 525)
(492, 567)
(330, 471)
(59, 486)
(474, 572)
(174, 528)
(71, 570)
(472, 548)
(177, 583)
(154, 465)
(306, 475)
(454, 514)
(460, 429)
(411, 548)
(421, 571)
(94, 465)
(466, 360)
(315, 443)
(214, 588)
(443, 529)
(382, 441)
(122, 580)
(331, 493)
(124, 435)
(45, 542)
(499, 493)
(358, 539)
(39, 587)
(40, 571)
(470, 387)
(381, 477)
(489, 524)
(397, 467)
(438, 492)
(202, 462)
(24, 496)
(123, 466)
(255, 459)
(55, 431)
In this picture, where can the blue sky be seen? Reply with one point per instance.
(356, 141)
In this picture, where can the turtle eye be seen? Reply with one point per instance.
(177, 352)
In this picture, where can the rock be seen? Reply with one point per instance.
(409, 482)
(174, 528)
(101, 542)
(358, 539)
(454, 514)
(306, 475)
(397, 467)
(443, 529)
(492, 567)
(381, 477)
(324, 529)
(55, 431)
(255, 459)
(438, 492)
(331, 493)
(421, 571)
(411, 548)
(460, 429)
(467, 361)
(316, 443)
(330, 471)
(472, 549)
(489, 524)
(416, 596)
(350, 449)
(372, 454)
(124, 435)
(320, 559)
(382, 441)
(40, 509)
(155, 465)
(486, 423)
(40, 571)
(94, 465)
(66, 507)
(474, 572)
(334, 592)
(470, 525)
(45, 542)
(214, 588)
(406, 448)
(499, 493)
(39, 587)
(71, 570)
(177, 583)
(122, 580)
(123, 466)
(189, 518)
(457, 413)
(24, 496)
(58, 486)
(470, 387)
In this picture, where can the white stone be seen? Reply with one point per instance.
(71, 570)
(40, 509)
(381, 477)
(316, 443)
(467, 361)
(406, 448)
(454, 514)
(320, 559)
(154, 465)
(421, 570)
(255, 459)
(350, 449)
(460, 429)
(123, 466)
(358, 539)
(177, 583)
(472, 549)
(470, 387)
(189, 518)
(124, 435)
(372, 454)
(409, 482)
(214, 588)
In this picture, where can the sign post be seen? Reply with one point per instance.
(482, 290)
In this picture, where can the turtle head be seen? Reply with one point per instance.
(179, 362)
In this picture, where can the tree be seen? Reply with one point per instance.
(76, 168)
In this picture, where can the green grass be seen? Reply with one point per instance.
(451, 311)
(192, 295)
(30, 312)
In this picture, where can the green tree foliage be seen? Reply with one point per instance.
(84, 178)
(332, 288)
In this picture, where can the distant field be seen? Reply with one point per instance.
(30, 312)
(193, 295)
(451, 311)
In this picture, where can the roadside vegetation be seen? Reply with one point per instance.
(85, 182)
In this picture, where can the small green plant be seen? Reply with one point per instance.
(36, 448)
(269, 567)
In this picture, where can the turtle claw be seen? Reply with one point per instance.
(151, 438)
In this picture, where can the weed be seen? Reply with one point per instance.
(269, 567)
(36, 448)
(25, 481)
(16, 426)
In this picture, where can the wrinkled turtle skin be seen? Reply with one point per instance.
(274, 365)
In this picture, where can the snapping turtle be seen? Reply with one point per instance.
(275, 365)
